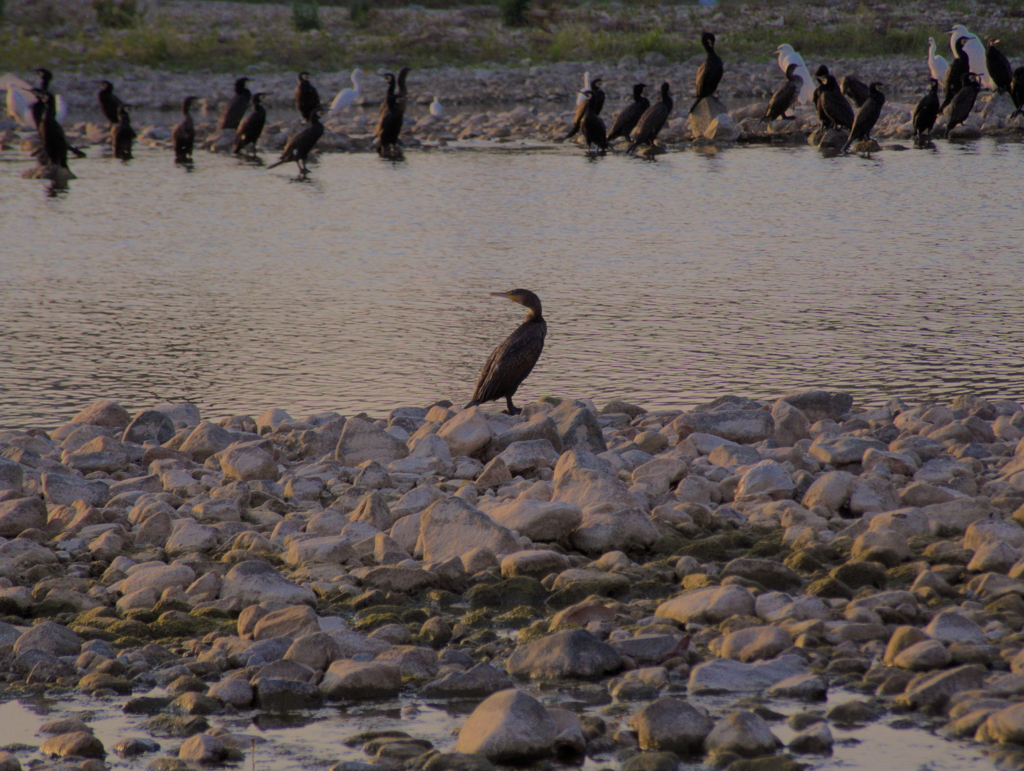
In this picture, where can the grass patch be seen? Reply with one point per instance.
(305, 16)
(116, 14)
(513, 12)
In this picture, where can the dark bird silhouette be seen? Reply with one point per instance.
(999, 68)
(626, 120)
(109, 101)
(402, 93)
(595, 103)
(389, 126)
(709, 74)
(959, 67)
(927, 110)
(306, 96)
(833, 109)
(300, 145)
(251, 128)
(236, 108)
(963, 102)
(510, 363)
(1017, 90)
(785, 97)
(856, 89)
(40, 107)
(593, 126)
(55, 143)
(820, 75)
(867, 116)
(122, 135)
(184, 134)
(652, 121)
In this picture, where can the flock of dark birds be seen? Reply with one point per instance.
(640, 121)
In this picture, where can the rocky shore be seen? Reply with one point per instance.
(191, 570)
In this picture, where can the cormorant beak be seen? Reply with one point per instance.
(500, 294)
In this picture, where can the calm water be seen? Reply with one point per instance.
(754, 271)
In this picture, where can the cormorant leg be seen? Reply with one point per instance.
(512, 409)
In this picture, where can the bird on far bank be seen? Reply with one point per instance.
(56, 104)
(236, 107)
(54, 142)
(788, 56)
(301, 145)
(593, 100)
(389, 125)
(586, 87)
(627, 119)
(512, 361)
(1000, 71)
(962, 104)
(856, 89)
(926, 111)
(436, 109)
(709, 74)
(955, 74)
(401, 91)
(1017, 91)
(867, 116)
(785, 96)
(183, 136)
(593, 127)
(307, 98)
(19, 100)
(251, 128)
(833, 109)
(347, 96)
(122, 136)
(110, 102)
(937, 65)
(652, 121)
(975, 51)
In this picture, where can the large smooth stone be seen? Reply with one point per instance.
(509, 727)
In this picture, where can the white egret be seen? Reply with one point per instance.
(788, 56)
(975, 51)
(19, 100)
(580, 99)
(937, 65)
(346, 97)
(435, 108)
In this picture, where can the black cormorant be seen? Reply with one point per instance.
(306, 96)
(236, 108)
(402, 92)
(251, 128)
(856, 89)
(1017, 90)
(709, 74)
(962, 104)
(867, 116)
(785, 97)
(184, 134)
(833, 109)
(594, 103)
(959, 67)
(389, 126)
(626, 120)
(55, 144)
(39, 108)
(593, 126)
(300, 145)
(820, 75)
(122, 135)
(652, 121)
(927, 110)
(109, 102)
(510, 363)
(999, 68)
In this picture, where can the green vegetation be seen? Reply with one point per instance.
(305, 16)
(116, 14)
(360, 13)
(513, 12)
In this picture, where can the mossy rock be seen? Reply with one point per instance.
(477, 619)
(92, 633)
(481, 637)
(857, 575)
(830, 588)
(802, 562)
(698, 581)
(734, 623)
(441, 598)
(129, 642)
(95, 681)
(175, 726)
(415, 616)
(901, 576)
(1012, 604)
(516, 618)
(534, 631)
(509, 593)
(769, 546)
(653, 590)
(651, 761)
(131, 628)
(142, 616)
(715, 548)
(669, 542)
(171, 604)
(213, 614)
(190, 626)
(98, 617)
(774, 763)
(375, 620)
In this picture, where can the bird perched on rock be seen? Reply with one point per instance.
(347, 96)
(867, 116)
(926, 111)
(593, 100)
(975, 51)
(109, 101)
(307, 98)
(937, 65)
(56, 103)
(955, 74)
(183, 136)
(833, 109)
(122, 136)
(1017, 90)
(251, 128)
(436, 110)
(709, 74)
(856, 89)
(510, 363)
(788, 56)
(300, 145)
(55, 143)
(389, 126)
(626, 120)
(652, 121)
(785, 96)
(999, 69)
(236, 108)
(593, 127)
(962, 104)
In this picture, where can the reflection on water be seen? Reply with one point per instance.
(749, 270)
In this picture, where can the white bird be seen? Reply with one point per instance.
(788, 56)
(347, 96)
(19, 100)
(937, 65)
(975, 51)
(435, 108)
(586, 87)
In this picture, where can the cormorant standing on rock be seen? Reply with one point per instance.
(40, 107)
(955, 74)
(626, 120)
(593, 127)
(962, 104)
(1017, 90)
(709, 74)
(251, 128)
(389, 127)
(510, 363)
(785, 97)
(927, 110)
(999, 69)
(109, 102)
(55, 144)
(594, 101)
(236, 108)
(122, 135)
(300, 145)
(306, 96)
(833, 109)
(867, 116)
(184, 134)
(855, 88)
(652, 121)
